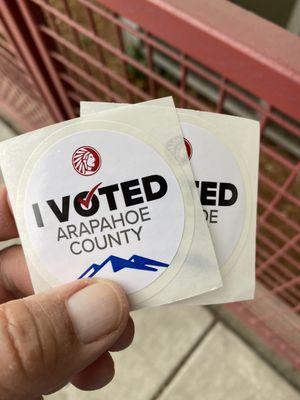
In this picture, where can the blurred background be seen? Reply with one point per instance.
(238, 57)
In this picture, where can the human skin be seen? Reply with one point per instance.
(64, 335)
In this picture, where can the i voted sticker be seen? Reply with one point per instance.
(223, 151)
(103, 204)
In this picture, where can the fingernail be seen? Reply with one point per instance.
(95, 311)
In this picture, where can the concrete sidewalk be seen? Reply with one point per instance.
(184, 353)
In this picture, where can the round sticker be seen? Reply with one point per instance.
(95, 205)
(221, 188)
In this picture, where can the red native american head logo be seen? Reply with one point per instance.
(86, 160)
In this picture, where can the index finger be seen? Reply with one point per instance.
(8, 229)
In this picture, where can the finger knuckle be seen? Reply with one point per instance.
(20, 345)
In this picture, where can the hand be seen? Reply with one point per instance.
(61, 336)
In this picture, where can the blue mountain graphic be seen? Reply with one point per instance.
(118, 263)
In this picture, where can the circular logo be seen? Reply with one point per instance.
(189, 148)
(86, 160)
(179, 151)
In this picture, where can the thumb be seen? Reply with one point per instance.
(47, 338)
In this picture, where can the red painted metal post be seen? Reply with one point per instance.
(18, 32)
(33, 18)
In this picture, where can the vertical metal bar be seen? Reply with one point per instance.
(55, 25)
(222, 95)
(53, 20)
(124, 64)
(264, 119)
(56, 28)
(76, 35)
(149, 59)
(33, 17)
(100, 53)
(19, 33)
(183, 76)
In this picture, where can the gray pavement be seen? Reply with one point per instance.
(183, 353)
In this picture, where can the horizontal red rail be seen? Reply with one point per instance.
(222, 36)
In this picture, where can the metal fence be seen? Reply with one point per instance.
(210, 56)
(20, 99)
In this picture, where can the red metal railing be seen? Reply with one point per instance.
(20, 101)
(210, 56)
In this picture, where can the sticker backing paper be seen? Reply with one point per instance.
(223, 151)
(112, 195)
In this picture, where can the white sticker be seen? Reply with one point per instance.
(89, 201)
(224, 152)
(222, 191)
(173, 260)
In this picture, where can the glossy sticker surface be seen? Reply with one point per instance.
(95, 205)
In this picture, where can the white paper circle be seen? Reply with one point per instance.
(67, 168)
